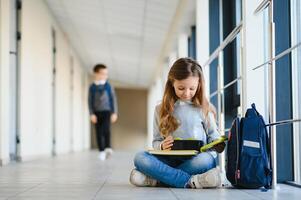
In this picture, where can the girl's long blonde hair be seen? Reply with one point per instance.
(182, 69)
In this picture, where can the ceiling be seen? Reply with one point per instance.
(126, 35)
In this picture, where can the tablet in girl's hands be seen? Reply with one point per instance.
(180, 144)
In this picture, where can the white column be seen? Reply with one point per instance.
(296, 85)
(256, 87)
(202, 37)
(182, 46)
(171, 59)
(255, 81)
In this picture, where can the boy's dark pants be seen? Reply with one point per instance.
(103, 129)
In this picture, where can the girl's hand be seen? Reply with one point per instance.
(167, 143)
(93, 119)
(219, 148)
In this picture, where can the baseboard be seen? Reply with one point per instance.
(35, 157)
(293, 184)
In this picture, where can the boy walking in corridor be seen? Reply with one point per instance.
(103, 109)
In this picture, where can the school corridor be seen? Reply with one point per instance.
(249, 52)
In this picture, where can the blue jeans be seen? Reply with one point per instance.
(173, 171)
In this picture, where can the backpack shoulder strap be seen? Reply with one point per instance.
(108, 89)
(93, 90)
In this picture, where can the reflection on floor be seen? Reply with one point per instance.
(82, 176)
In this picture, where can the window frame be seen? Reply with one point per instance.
(296, 86)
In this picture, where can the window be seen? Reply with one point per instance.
(283, 77)
(286, 18)
(214, 42)
(224, 20)
(192, 43)
(231, 60)
(225, 62)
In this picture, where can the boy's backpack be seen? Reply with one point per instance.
(107, 88)
(248, 152)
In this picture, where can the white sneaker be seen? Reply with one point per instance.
(102, 155)
(209, 179)
(139, 179)
(109, 152)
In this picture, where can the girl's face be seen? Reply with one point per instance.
(185, 89)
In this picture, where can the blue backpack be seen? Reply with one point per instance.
(248, 152)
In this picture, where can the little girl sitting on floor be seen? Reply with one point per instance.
(182, 113)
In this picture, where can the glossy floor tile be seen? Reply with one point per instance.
(83, 176)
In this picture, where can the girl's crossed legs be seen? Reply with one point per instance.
(173, 171)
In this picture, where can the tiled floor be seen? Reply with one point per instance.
(82, 176)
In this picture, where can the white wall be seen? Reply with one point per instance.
(63, 92)
(78, 142)
(36, 88)
(86, 114)
(36, 77)
(4, 81)
(13, 80)
(154, 97)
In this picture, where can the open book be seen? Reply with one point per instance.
(174, 152)
(189, 152)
